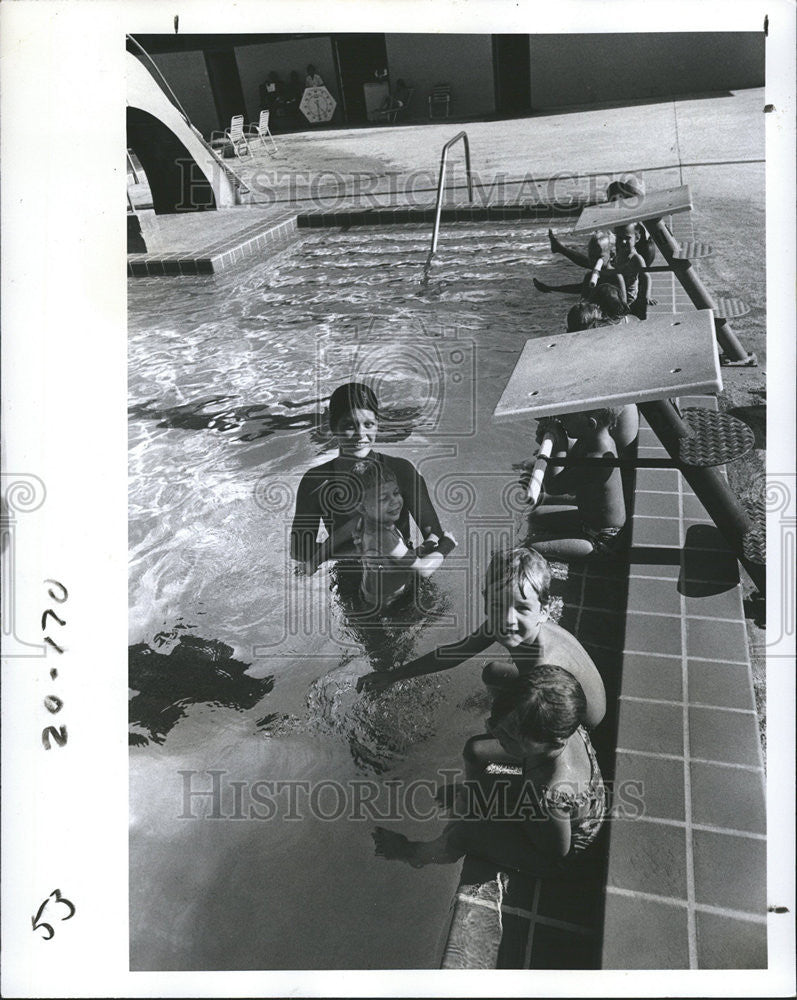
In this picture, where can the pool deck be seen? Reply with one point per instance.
(681, 707)
(686, 881)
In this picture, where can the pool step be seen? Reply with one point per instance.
(507, 920)
(256, 240)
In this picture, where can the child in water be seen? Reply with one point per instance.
(594, 526)
(389, 563)
(327, 492)
(537, 722)
(516, 603)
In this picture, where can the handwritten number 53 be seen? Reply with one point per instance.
(37, 922)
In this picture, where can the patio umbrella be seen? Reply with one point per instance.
(317, 104)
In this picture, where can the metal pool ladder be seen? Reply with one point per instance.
(439, 207)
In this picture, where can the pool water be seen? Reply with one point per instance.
(237, 666)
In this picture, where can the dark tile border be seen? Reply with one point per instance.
(219, 256)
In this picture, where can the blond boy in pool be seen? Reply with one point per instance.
(516, 603)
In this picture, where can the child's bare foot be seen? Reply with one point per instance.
(556, 246)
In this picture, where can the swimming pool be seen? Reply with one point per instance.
(246, 671)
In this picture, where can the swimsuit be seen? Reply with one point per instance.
(587, 808)
(384, 579)
(328, 494)
(604, 540)
(630, 273)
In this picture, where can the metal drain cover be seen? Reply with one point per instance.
(691, 250)
(716, 438)
(731, 308)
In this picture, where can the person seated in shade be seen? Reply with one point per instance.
(398, 98)
(312, 79)
(550, 815)
(390, 566)
(593, 526)
(272, 93)
(328, 493)
(516, 602)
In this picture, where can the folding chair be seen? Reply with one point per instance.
(441, 94)
(392, 114)
(234, 135)
(261, 129)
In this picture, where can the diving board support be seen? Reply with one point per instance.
(697, 292)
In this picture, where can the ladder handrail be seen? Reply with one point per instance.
(439, 207)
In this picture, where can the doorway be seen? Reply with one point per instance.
(512, 64)
(359, 56)
(225, 83)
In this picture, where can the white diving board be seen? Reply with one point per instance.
(660, 358)
(624, 211)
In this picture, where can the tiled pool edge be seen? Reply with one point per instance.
(356, 215)
(256, 239)
(687, 731)
(687, 880)
(274, 234)
(687, 747)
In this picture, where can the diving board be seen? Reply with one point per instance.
(625, 211)
(650, 364)
(664, 357)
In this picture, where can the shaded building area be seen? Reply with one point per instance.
(218, 76)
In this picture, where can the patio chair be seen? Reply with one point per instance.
(440, 95)
(261, 129)
(392, 114)
(234, 136)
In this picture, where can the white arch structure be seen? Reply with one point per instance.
(144, 93)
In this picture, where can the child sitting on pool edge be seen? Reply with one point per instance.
(516, 603)
(390, 565)
(593, 527)
(537, 722)
(624, 188)
(627, 273)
